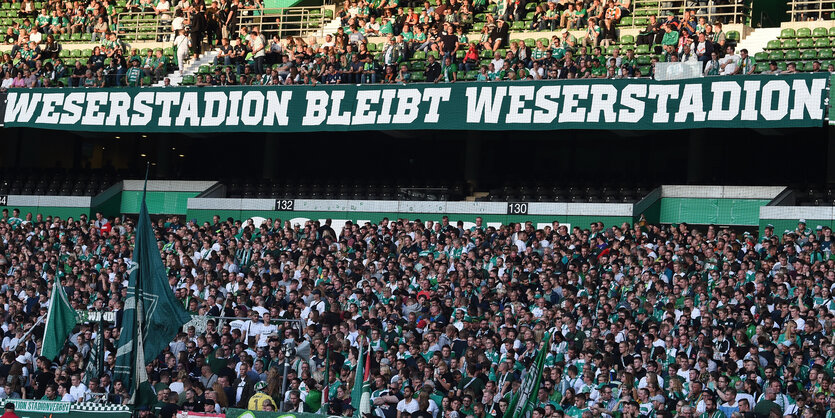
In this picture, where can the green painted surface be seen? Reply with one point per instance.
(110, 207)
(61, 212)
(279, 4)
(711, 211)
(581, 221)
(168, 203)
(781, 225)
(652, 214)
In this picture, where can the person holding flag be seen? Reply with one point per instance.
(152, 315)
(524, 400)
(361, 391)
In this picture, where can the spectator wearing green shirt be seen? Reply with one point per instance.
(133, 78)
(579, 20)
(449, 71)
(597, 69)
(551, 19)
(592, 33)
(670, 40)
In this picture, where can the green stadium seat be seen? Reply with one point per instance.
(787, 33)
(418, 66)
(832, 31)
(626, 21)
(435, 54)
(645, 70)
(75, 37)
(530, 6)
(372, 47)
(518, 25)
(819, 32)
(486, 54)
(610, 49)
(782, 66)
(644, 49)
(204, 69)
(789, 44)
(188, 80)
(761, 56)
(418, 77)
(146, 81)
(76, 53)
(775, 55)
(809, 55)
(822, 43)
(478, 26)
(761, 66)
(530, 42)
(530, 15)
(772, 44)
(168, 52)
(480, 17)
(792, 55)
(825, 54)
(418, 9)
(471, 75)
(806, 43)
(627, 40)
(545, 41)
(644, 60)
(419, 56)
(491, 8)
(733, 36)
(808, 66)
(328, 14)
(804, 33)
(460, 54)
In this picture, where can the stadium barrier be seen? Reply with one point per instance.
(744, 102)
(27, 408)
(698, 205)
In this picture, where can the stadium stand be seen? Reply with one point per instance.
(421, 42)
(394, 189)
(55, 182)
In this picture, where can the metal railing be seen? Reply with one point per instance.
(805, 10)
(290, 21)
(144, 26)
(735, 12)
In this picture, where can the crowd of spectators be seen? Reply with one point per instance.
(448, 41)
(645, 320)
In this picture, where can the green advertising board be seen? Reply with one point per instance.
(760, 101)
(243, 413)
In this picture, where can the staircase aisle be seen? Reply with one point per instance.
(191, 68)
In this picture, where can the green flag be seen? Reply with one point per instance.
(524, 401)
(96, 358)
(326, 386)
(152, 316)
(60, 320)
(361, 392)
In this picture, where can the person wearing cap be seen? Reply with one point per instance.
(259, 399)
(133, 77)
(772, 69)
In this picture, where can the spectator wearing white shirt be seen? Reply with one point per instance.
(729, 63)
(78, 390)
